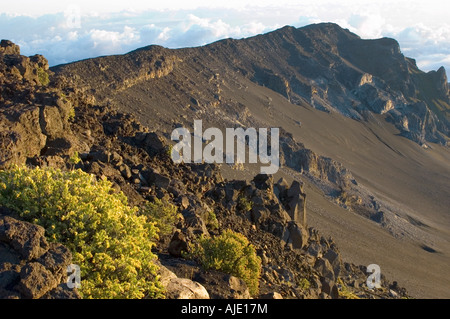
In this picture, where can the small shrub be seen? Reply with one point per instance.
(245, 204)
(109, 241)
(169, 149)
(230, 252)
(74, 159)
(304, 284)
(71, 114)
(164, 214)
(63, 96)
(211, 220)
(43, 76)
(344, 291)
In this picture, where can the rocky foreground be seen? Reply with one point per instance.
(44, 121)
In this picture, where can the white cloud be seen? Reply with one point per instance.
(164, 35)
(367, 25)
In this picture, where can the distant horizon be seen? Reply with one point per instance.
(66, 33)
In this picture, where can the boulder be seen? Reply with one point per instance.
(335, 261)
(231, 193)
(238, 287)
(125, 171)
(296, 203)
(165, 274)
(9, 274)
(324, 268)
(223, 286)
(178, 244)
(160, 181)
(315, 250)
(51, 122)
(56, 259)
(153, 144)
(35, 281)
(271, 295)
(280, 188)
(25, 238)
(183, 288)
(62, 292)
(100, 155)
(295, 190)
(194, 221)
(39, 60)
(22, 137)
(329, 288)
(298, 236)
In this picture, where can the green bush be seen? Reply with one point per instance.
(245, 204)
(164, 214)
(304, 284)
(109, 241)
(344, 291)
(74, 159)
(43, 76)
(211, 221)
(231, 253)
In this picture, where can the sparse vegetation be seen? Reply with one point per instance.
(109, 241)
(74, 159)
(211, 220)
(245, 204)
(304, 284)
(43, 76)
(164, 214)
(344, 291)
(71, 114)
(231, 253)
(169, 149)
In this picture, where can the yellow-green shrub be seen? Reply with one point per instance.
(164, 214)
(245, 204)
(231, 253)
(109, 241)
(43, 76)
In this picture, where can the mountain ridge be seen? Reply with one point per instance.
(329, 68)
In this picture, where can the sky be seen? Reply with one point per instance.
(67, 31)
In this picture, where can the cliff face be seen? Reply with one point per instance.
(114, 73)
(335, 70)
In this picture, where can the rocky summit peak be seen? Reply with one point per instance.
(8, 47)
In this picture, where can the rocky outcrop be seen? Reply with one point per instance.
(303, 160)
(34, 117)
(117, 74)
(30, 267)
(9, 48)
